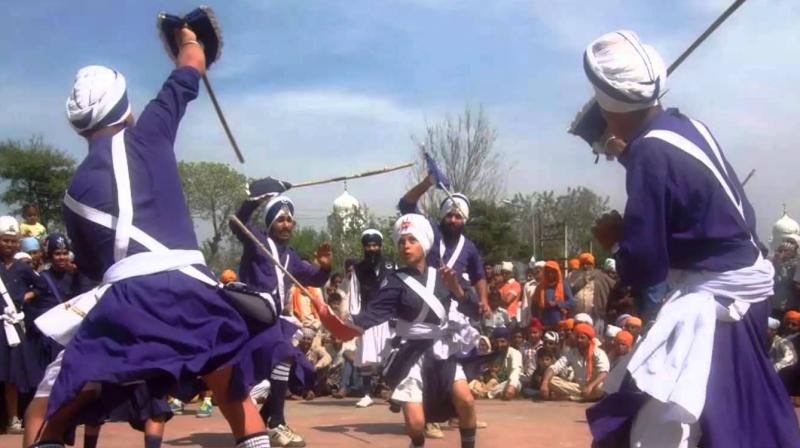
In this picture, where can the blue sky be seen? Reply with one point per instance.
(318, 89)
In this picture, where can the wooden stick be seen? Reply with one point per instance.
(749, 176)
(222, 119)
(354, 176)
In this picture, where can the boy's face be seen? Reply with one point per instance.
(791, 326)
(535, 335)
(635, 330)
(517, 339)
(623, 349)
(552, 345)
(336, 307)
(305, 344)
(31, 216)
(483, 346)
(582, 341)
(546, 361)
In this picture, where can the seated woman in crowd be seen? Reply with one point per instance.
(553, 296)
(591, 367)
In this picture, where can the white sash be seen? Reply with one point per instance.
(279, 273)
(426, 293)
(10, 317)
(354, 295)
(456, 252)
(62, 322)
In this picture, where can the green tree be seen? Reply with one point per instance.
(213, 192)
(38, 174)
(491, 228)
(345, 228)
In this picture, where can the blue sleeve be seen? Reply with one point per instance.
(474, 265)
(406, 207)
(33, 281)
(569, 298)
(244, 213)
(160, 118)
(382, 307)
(468, 306)
(643, 258)
(307, 273)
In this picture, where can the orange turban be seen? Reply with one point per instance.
(624, 338)
(792, 315)
(567, 324)
(634, 321)
(588, 331)
(558, 286)
(587, 258)
(574, 263)
(227, 276)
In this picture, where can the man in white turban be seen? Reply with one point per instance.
(686, 212)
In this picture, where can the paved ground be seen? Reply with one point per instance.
(338, 423)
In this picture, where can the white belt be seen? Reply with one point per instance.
(62, 322)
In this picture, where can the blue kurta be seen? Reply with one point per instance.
(166, 328)
(677, 216)
(469, 260)
(257, 269)
(18, 364)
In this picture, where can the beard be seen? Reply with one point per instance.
(450, 231)
(372, 258)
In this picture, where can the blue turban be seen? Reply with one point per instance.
(278, 206)
(501, 332)
(54, 242)
(29, 244)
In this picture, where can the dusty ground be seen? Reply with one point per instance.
(338, 423)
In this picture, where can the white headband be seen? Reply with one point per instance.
(9, 226)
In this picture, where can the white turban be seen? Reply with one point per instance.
(459, 203)
(610, 265)
(773, 323)
(584, 318)
(22, 256)
(540, 264)
(626, 74)
(416, 225)
(99, 99)
(9, 226)
(612, 331)
(507, 266)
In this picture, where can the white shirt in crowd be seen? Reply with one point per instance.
(575, 360)
(782, 353)
(512, 365)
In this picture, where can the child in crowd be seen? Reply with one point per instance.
(484, 345)
(499, 316)
(544, 359)
(517, 338)
(530, 348)
(510, 362)
(31, 225)
(633, 325)
(31, 246)
(621, 346)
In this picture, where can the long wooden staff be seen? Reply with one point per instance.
(354, 176)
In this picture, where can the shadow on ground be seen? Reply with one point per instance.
(204, 440)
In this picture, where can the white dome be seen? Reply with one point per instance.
(782, 228)
(346, 201)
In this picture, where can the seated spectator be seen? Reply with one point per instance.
(553, 296)
(545, 358)
(320, 359)
(590, 365)
(622, 345)
(611, 333)
(633, 325)
(336, 302)
(566, 335)
(510, 361)
(334, 286)
(791, 375)
(30, 245)
(302, 308)
(31, 225)
(529, 350)
(484, 345)
(517, 338)
(480, 387)
(341, 374)
(781, 351)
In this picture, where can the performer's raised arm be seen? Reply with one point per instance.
(408, 203)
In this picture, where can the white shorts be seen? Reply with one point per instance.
(410, 389)
(50, 376)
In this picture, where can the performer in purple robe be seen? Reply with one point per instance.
(701, 374)
(260, 273)
(19, 285)
(429, 373)
(159, 317)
